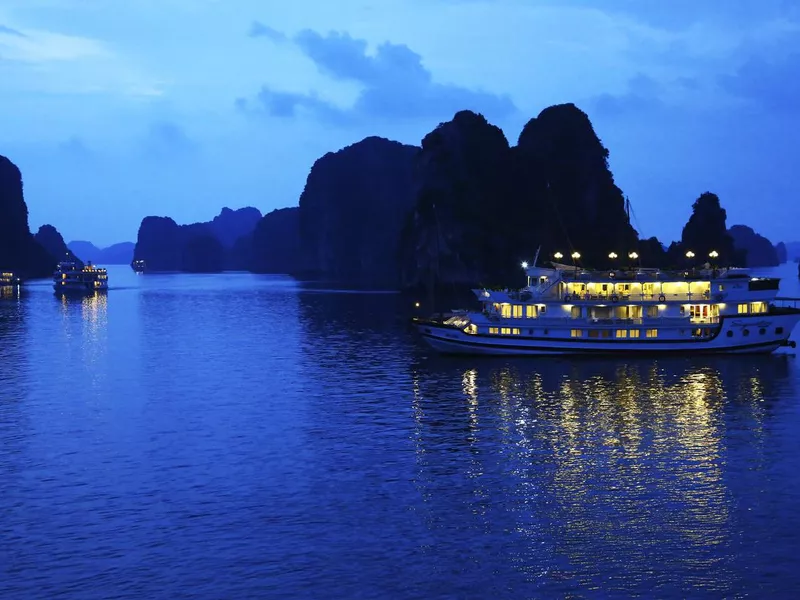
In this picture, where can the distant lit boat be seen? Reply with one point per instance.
(567, 310)
(139, 266)
(71, 277)
(7, 278)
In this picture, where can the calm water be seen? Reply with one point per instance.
(237, 436)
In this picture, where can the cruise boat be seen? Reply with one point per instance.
(7, 278)
(71, 277)
(139, 266)
(567, 310)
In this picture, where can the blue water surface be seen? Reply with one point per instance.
(243, 436)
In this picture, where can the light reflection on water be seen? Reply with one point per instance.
(243, 436)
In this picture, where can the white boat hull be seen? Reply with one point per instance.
(776, 331)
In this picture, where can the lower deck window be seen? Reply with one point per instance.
(509, 331)
(634, 333)
(622, 333)
(494, 330)
(576, 333)
(651, 333)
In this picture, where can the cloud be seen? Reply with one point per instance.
(258, 29)
(643, 93)
(9, 31)
(393, 83)
(773, 85)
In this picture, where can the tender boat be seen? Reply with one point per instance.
(71, 277)
(9, 279)
(139, 266)
(567, 310)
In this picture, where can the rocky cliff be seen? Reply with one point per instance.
(482, 207)
(352, 210)
(198, 247)
(706, 231)
(50, 239)
(782, 252)
(757, 250)
(275, 243)
(19, 252)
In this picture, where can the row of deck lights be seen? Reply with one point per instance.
(632, 255)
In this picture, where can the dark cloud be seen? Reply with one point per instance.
(9, 31)
(168, 140)
(394, 84)
(642, 94)
(258, 29)
(771, 84)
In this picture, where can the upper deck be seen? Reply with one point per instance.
(573, 285)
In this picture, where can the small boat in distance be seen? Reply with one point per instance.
(139, 266)
(8, 278)
(71, 277)
(569, 310)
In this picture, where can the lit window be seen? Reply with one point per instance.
(622, 333)
(758, 307)
(530, 311)
(515, 331)
(742, 309)
(651, 333)
(505, 311)
(494, 330)
(505, 330)
(575, 313)
(576, 333)
(517, 311)
(652, 311)
(634, 333)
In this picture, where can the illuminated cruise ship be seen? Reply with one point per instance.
(71, 277)
(568, 310)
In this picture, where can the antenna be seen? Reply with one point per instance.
(536, 258)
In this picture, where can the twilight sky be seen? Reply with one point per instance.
(115, 110)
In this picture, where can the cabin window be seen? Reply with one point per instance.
(494, 330)
(576, 333)
(575, 312)
(634, 333)
(516, 311)
(505, 331)
(742, 309)
(515, 331)
(472, 329)
(758, 307)
(762, 331)
(594, 333)
(652, 312)
(729, 334)
(745, 332)
(721, 287)
(778, 330)
(505, 311)
(542, 309)
(605, 333)
(651, 333)
(530, 311)
(622, 333)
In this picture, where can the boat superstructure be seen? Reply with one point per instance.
(7, 278)
(567, 310)
(72, 277)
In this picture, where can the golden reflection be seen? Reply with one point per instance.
(611, 454)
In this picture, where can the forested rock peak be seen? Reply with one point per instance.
(755, 249)
(19, 252)
(563, 169)
(50, 239)
(706, 230)
(352, 208)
